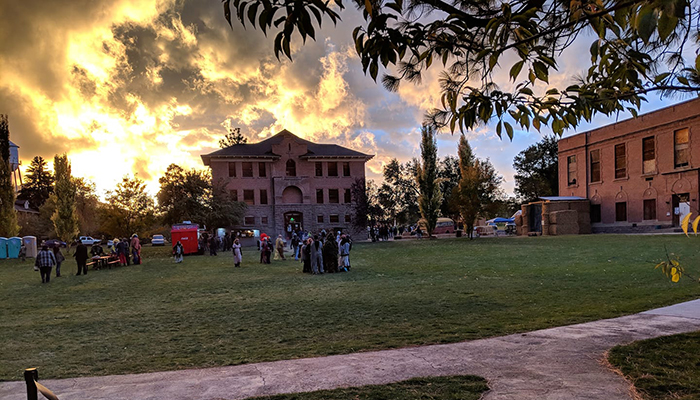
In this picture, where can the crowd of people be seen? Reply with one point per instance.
(385, 232)
(125, 250)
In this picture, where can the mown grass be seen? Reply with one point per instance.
(665, 368)
(438, 388)
(203, 312)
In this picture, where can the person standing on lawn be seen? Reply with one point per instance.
(136, 248)
(306, 255)
(178, 252)
(213, 245)
(344, 254)
(121, 251)
(59, 259)
(45, 260)
(279, 245)
(237, 254)
(81, 257)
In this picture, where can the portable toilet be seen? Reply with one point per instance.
(13, 245)
(3, 248)
(30, 244)
(186, 234)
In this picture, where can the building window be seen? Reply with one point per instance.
(319, 219)
(571, 169)
(291, 168)
(263, 220)
(348, 198)
(620, 162)
(333, 196)
(263, 196)
(346, 169)
(262, 170)
(232, 170)
(334, 218)
(595, 165)
(247, 168)
(319, 169)
(249, 221)
(621, 211)
(319, 196)
(332, 169)
(595, 213)
(249, 197)
(234, 195)
(347, 218)
(648, 156)
(681, 140)
(649, 209)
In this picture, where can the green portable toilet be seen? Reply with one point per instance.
(3, 248)
(30, 244)
(13, 245)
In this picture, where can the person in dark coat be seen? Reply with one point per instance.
(213, 245)
(306, 255)
(59, 259)
(81, 257)
(330, 254)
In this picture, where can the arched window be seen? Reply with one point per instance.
(292, 195)
(291, 168)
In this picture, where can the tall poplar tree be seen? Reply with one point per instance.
(38, 184)
(430, 197)
(65, 217)
(8, 215)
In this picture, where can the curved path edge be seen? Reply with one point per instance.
(556, 363)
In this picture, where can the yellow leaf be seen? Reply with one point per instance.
(674, 271)
(684, 224)
(659, 265)
(695, 225)
(675, 263)
(368, 7)
(676, 277)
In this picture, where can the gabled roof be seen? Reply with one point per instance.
(264, 149)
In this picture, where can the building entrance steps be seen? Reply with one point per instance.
(557, 363)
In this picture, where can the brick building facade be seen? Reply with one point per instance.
(290, 183)
(638, 174)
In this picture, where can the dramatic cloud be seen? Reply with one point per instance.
(130, 86)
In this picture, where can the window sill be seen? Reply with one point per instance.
(648, 174)
(621, 179)
(596, 183)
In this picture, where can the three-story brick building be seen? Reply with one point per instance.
(638, 174)
(290, 183)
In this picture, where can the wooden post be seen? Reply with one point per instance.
(31, 375)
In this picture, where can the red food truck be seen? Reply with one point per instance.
(187, 234)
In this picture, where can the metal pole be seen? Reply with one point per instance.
(30, 376)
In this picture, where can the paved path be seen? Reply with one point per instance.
(556, 363)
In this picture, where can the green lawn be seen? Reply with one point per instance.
(666, 368)
(438, 388)
(203, 312)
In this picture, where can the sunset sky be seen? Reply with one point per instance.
(131, 86)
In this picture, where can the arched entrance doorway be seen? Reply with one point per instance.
(293, 221)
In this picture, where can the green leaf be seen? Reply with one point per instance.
(697, 64)
(683, 80)
(498, 129)
(660, 77)
(493, 60)
(646, 23)
(373, 70)
(541, 71)
(509, 130)
(515, 70)
(667, 24)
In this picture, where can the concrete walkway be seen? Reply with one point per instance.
(556, 363)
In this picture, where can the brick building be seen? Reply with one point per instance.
(638, 174)
(290, 183)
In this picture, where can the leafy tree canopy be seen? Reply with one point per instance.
(130, 209)
(537, 170)
(636, 47)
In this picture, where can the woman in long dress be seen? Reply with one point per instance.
(237, 255)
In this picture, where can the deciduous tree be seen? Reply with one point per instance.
(537, 170)
(636, 47)
(478, 187)
(8, 215)
(430, 198)
(129, 209)
(65, 216)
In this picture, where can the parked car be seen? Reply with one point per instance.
(158, 240)
(89, 241)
